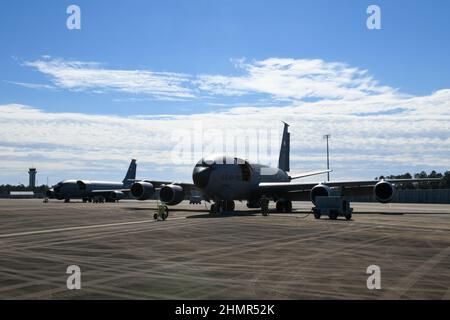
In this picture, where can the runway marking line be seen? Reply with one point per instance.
(27, 233)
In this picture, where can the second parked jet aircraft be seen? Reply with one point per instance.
(93, 190)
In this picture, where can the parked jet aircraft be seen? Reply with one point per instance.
(94, 190)
(223, 179)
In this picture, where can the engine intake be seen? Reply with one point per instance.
(320, 190)
(142, 190)
(384, 191)
(171, 194)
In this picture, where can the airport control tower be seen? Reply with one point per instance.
(32, 173)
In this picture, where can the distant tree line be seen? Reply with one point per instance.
(443, 184)
(6, 188)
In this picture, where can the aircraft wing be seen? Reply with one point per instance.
(160, 184)
(189, 188)
(106, 192)
(308, 174)
(276, 187)
(113, 193)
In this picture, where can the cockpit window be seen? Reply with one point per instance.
(205, 163)
(246, 171)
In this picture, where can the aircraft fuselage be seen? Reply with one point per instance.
(225, 178)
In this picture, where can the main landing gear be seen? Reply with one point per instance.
(284, 206)
(265, 207)
(222, 206)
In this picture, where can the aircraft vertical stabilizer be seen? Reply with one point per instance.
(283, 160)
(131, 173)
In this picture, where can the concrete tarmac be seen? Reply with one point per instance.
(124, 254)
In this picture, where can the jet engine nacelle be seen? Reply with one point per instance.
(384, 191)
(116, 195)
(320, 190)
(142, 190)
(171, 194)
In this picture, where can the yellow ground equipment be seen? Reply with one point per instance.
(161, 213)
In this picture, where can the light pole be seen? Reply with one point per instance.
(328, 136)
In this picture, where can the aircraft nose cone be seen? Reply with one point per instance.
(200, 176)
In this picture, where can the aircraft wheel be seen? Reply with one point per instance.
(164, 216)
(213, 208)
(230, 205)
(221, 206)
(265, 207)
(279, 206)
(155, 216)
(288, 206)
(333, 215)
(166, 210)
(316, 214)
(348, 216)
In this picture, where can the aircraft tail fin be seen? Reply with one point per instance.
(131, 173)
(283, 160)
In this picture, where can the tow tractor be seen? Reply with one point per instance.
(333, 207)
(161, 213)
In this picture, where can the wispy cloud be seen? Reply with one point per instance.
(78, 75)
(295, 79)
(32, 85)
(279, 79)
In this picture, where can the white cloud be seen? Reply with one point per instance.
(77, 75)
(375, 129)
(295, 79)
(32, 85)
(416, 140)
(281, 79)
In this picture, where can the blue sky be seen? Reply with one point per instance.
(183, 47)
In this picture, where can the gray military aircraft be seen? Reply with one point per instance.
(94, 190)
(223, 179)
